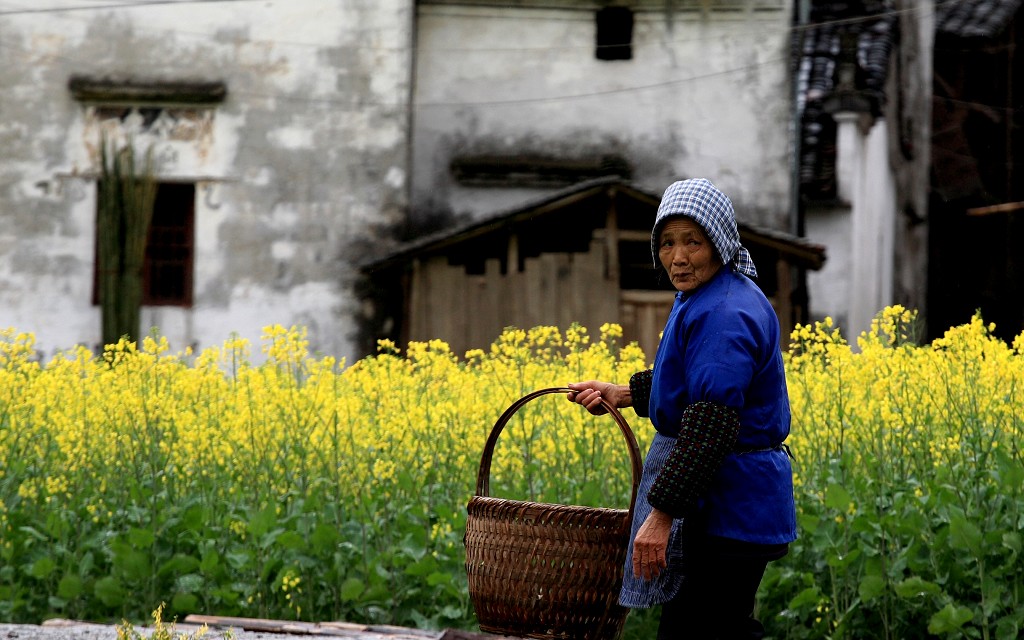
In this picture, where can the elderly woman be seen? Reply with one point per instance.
(716, 496)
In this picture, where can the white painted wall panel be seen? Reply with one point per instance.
(705, 94)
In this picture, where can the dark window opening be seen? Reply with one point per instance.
(637, 270)
(167, 273)
(615, 33)
(167, 269)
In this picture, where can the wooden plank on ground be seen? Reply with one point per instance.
(456, 634)
(333, 629)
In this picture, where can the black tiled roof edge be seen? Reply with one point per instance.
(975, 18)
(859, 36)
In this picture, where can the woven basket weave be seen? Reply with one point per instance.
(547, 570)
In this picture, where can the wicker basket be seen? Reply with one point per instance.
(545, 570)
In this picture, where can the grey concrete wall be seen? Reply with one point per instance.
(301, 172)
(706, 93)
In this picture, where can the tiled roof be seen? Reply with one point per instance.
(856, 35)
(975, 18)
(861, 33)
(800, 250)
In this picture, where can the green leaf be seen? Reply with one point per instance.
(1012, 541)
(33, 532)
(808, 596)
(868, 526)
(42, 567)
(808, 522)
(141, 538)
(421, 621)
(351, 589)
(270, 567)
(415, 541)
(185, 603)
(914, 587)
(909, 521)
(268, 539)
(377, 593)
(262, 521)
(424, 566)
(56, 525)
(593, 493)
(842, 561)
(324, 538)
(1011, 474)
(109, 591)
(874, 567)
(178, 565)
(438, 578)
(452, 613)
(836, 497)
(133, 564)
(950, 618)
(964, 534)
(70, 587)
(86, 564)
(407, 481)
(210, 561)
(193, 517)
(239, 558)
(870, 588)
(291, 540)
(190, 583)
(1007, 629)
(226, 595)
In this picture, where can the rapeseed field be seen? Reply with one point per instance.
(309, 488)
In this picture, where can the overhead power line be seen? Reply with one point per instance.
(753, 32)
(357, 104)
(124, 5)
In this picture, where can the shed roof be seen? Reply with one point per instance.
(544, 212)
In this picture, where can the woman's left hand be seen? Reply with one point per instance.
(651, 545)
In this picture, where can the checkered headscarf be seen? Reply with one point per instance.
(702, 202)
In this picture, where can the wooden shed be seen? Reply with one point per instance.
(579, 255)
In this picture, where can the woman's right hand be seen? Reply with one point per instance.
(590, 392)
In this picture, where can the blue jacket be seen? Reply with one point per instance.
(722, 344)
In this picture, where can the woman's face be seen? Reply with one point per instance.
(687, 254)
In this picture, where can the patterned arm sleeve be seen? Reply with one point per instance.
(640, 391)
(707, 433)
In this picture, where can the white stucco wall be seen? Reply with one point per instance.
(857, 280)
(706, 93)
(300, 174)
(829, 288)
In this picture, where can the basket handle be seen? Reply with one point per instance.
(483, 480)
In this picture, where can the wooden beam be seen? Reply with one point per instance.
(611, 241)
(804, 254)
(784, 300)
(109, 91)
(1005, 207)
